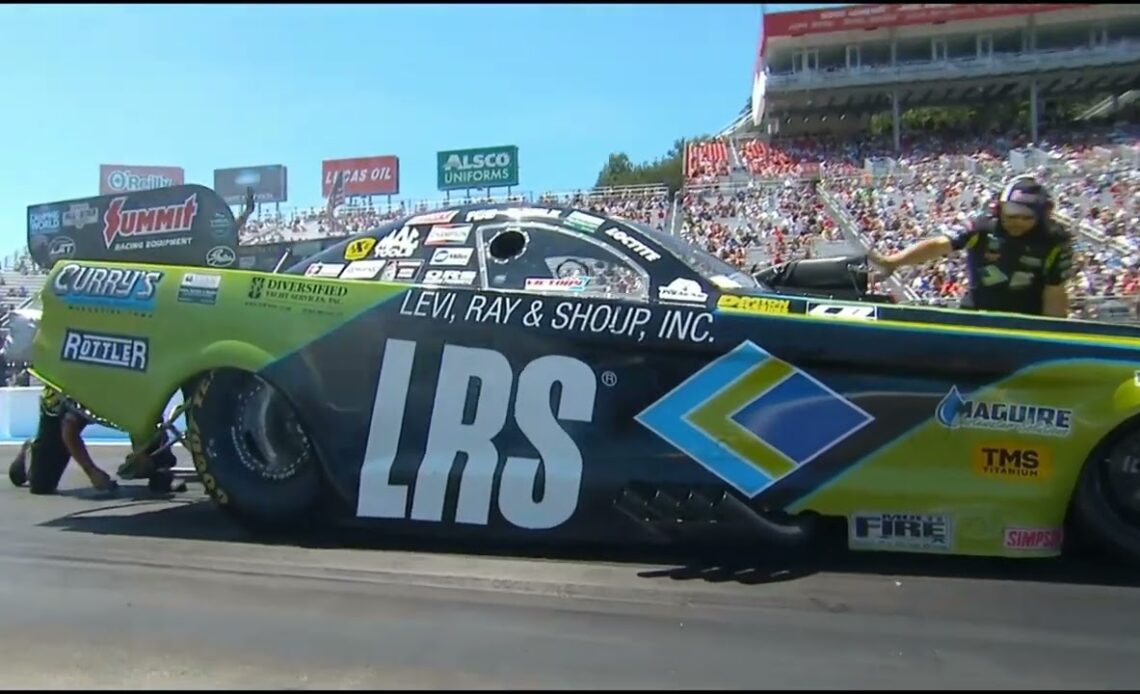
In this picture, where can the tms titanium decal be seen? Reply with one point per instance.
(752, 419)
(957, 412)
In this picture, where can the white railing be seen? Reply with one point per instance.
(1083, 57)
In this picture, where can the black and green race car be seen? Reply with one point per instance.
(532, 373)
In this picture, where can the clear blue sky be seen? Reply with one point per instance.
(206, 87)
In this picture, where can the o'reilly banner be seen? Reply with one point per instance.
(483, 167)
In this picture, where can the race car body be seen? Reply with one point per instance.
(543, 372)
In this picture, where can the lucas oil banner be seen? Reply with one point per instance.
(182, 225)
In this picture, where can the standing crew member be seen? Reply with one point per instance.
(1018, 258)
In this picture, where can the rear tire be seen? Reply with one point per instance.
(251, 452)
(1103, 513)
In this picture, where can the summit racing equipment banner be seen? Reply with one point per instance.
(268, 182)
(484, 167)
(363, 175)
(121, 178)
(181, 225)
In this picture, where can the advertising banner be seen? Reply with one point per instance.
(483, 167)
(124, 178)
(379, 175)
(268, 182)
(180, 225)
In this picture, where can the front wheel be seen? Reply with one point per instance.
(1107, 500)
(251, 451)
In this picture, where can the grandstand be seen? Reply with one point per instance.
(849, 117)
(873, 125)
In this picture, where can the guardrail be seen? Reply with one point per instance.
(20, 411)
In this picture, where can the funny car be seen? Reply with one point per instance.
(529, 373)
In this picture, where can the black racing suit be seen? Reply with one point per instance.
(1010, 273)
(48, 455)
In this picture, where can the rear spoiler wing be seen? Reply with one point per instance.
(179, 225)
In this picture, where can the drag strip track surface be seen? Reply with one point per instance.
(156, 592)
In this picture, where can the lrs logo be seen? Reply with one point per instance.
(449, 435)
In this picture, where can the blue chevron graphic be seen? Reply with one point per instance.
(751, 419)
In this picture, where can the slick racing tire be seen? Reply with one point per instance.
(250, 451)
(1105, 504)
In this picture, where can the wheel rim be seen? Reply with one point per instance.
(1120, 478)
(267, 434)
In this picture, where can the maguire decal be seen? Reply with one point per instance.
(326, 270)
(107, 288)
(399, 244)
(308, 296)
(955, 412)
(752, 419)
(363, 270)
(100, 349)
(512, 483)
(448, 234)
(1014, 461)
(454, 257)
(633, 244)
(199, 288)
(753, 304)
(905, 532)
(149, 221)
(569, 316)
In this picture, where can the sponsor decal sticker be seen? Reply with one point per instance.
(456, 257)
(101, 349)
(95, 287)
(1013, 461)
(1034, 538)
(43, 220)
(401, 271)
(454, 277)
(80, 215)
(326, 270)
(399, 244)
(434, 217)
(359, 249)
(843, 311)
(148, 222)
(633, 244)
(221, 256)
(303, 295)
(906, 532)
(584, 222)
(483, 215)
(199, 288)
(556, 284)
(684, 290)
(957, 412)
(363, 270)
(443, 234)
(61, 247)
(754, 304)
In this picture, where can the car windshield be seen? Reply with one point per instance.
(708, 266)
